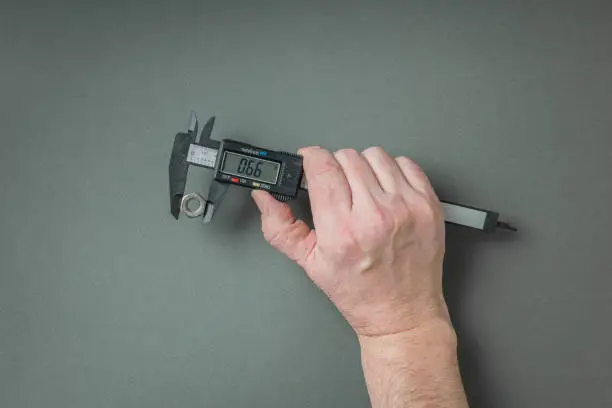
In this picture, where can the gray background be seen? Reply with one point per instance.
(106, 301)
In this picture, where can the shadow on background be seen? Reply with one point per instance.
(461, 248)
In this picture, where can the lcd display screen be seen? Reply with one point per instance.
(250, 167)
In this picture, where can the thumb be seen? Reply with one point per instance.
(280, 228)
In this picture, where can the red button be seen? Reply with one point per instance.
(234, 180)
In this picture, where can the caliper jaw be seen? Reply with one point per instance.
(216, 194)
(179, 167)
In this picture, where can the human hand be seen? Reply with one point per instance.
(378, 243)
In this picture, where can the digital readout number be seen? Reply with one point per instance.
(250, 167)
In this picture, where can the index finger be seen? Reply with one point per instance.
(329, 191)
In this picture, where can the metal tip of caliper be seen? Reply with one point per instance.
(204, 137)
(193, 123)
(209, 212)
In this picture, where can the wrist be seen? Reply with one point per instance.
(416, 368)
(436, 335)
(421, 314)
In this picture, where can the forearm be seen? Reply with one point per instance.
(416, 369)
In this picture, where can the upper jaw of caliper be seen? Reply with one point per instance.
(178, 168)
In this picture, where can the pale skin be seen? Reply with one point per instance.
(376, 251)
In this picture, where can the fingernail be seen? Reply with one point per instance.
(303, 149)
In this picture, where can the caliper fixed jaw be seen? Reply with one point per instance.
(179, 166)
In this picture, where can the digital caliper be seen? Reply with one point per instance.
(280, 173)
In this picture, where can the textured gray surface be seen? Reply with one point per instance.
(105, 301)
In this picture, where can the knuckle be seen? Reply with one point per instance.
(400, 209)
(274, 237)
(347, 246)
(269, 229)
(381, 222)
(276, 234)
(438, 213)
(326, 167)
(427, 212)
(279, 237)
(344, 243)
